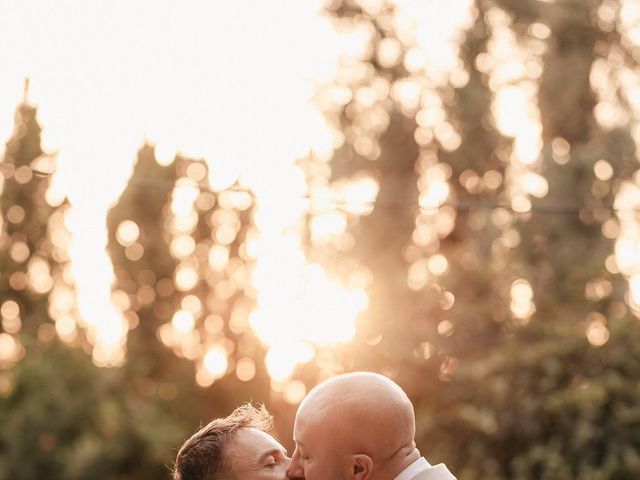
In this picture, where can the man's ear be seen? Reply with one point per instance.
(362, 466)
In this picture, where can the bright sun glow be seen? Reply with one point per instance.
(627, 250)
(627, 203)
(223, 81)
(514, 70)
(232, 83)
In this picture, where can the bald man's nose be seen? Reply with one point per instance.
(286, 465)
(295, 472)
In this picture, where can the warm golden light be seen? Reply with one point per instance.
(522, 305)
(294, 392)
(357, 196)
(435, 31)
(282, 359)
(127, 233)
(183, 246)
(627, 248)
(186, 277)
(603, 170)
(66, 328)
(597, 332)
(533, 184)
(326, 226)
(11, 325)
(438, 265)
(432, 38)
(216, 362)
(183, 321)
(250, 137)
(293, 317)
(446, 328)
(245, 369)
(435, 193)
(9, 309)
(11, 351)
(514, 69)
(207, 39)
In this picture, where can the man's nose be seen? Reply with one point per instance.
(295, 471)
(286, 464)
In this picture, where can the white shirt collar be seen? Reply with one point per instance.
(412, 470)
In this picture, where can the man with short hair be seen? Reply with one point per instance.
(236, 447)
(358, 426)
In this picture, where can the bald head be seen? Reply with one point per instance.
(359, 413)
(371, 410)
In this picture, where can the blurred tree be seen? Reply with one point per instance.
(181, 271)
(473, 202)
(62, 417)
(427, 260)
(498, 300)
(377, 146)
(33, 240)
(35, 290)
(551, 403)
(182, 268)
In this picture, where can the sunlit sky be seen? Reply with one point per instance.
(232, 82)
(228, 81)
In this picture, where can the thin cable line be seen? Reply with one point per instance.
(336, 203)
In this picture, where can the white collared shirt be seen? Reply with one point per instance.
(412, 470)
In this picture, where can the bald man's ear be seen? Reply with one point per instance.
(362, 466)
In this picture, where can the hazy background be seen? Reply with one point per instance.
(206, 203)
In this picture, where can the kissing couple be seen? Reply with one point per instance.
(355, 426)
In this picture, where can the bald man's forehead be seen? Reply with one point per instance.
(359, 382)
(359, 396)
(340, 415)
(323, 429)
(359, 400)
(315, 410)
(331, 410)
(356, 394)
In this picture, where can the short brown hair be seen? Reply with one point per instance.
(202, 456)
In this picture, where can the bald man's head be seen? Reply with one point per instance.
(358, 425)
(371, 409)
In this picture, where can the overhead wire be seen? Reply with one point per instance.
(347, 206)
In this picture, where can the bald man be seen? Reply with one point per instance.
(358, 426)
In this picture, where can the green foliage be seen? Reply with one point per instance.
(497, 395)
(61, 416)
(555, 408)
(66, 418)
